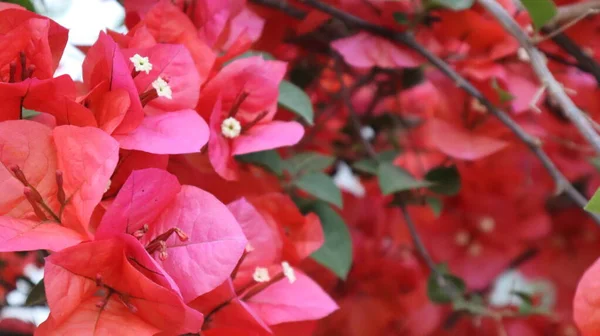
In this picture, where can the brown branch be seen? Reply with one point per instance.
(562, 184)
(568, 13)
(538, 63)
(585, 62)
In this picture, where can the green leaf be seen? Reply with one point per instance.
(393, 179)
(435, 204)
(455, 5)
(439, 292)
(400, 18)
(369, 166)
(336, 252)
(594, 204)
(321, 186)
(37, 295)
(268, 159)
(294, 99)
(541, 11)
(28, 114)
(446, 180)
(504, 95)
(308, 162)
(24, 3)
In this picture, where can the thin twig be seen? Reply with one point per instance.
(416, 238)
(562, 184)
(585, 62)
(561, 29)
(283, 6)
(356, 124)
(569, 12)
(538, 63)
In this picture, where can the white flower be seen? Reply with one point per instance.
(108, 186)
(345, 180)
(462, 238)
(141, 63)
(487, 224)
(249, 248)
(162, 88)
(261, 274)
(367, 133)
(231, 128)
(288, 271)
(475, 249)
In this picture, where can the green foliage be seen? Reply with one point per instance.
(295, 99)
(308, 162)
(455, 5)
(400, 18)
(443, 287)
(446, 180)
(320, 186)
(435, 204)
(393, 179)
(37, 295)
(24, 3)
(28, 114)
(269, 159)
(336, 252)
(369, 166)
(504, 95)
(594, 204)
(540, 11)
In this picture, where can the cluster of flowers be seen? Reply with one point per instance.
(86, 175)
(132, 181)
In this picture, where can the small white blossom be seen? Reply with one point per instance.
(141, 63)
(162, 88)
(347, 181)
(367, 133)
(475, 249)
(477, 106)
(487, 224)
(261, 274)
(249, 248)
(108, 185)
(231, 128)
(462, 238)
(288, 271)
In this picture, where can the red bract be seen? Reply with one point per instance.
(240, 102)
(187, 230)
(48, 199)
(107, 290)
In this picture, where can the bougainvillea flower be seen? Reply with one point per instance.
(35, 43)
(240, 102)
(364, 50)
(107, 290)
(164, 126)
(168, 24)
(283, 301)
(462, 144)
(192, 235)
(301, 234)
(105, 69)
(47, 197)
(586, 302)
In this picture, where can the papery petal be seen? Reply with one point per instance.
(290, 302)
(264, 240)
(104, 62)
(28, 235)
(168, 133)
(214, 246)
(28, 145)
(365, 51)
(87, 156)
(143, 197)
(268, 136)
(173, 62)
(81, 265)
(461, 144)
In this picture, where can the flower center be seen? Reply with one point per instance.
(231, 128)
(140, 64)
